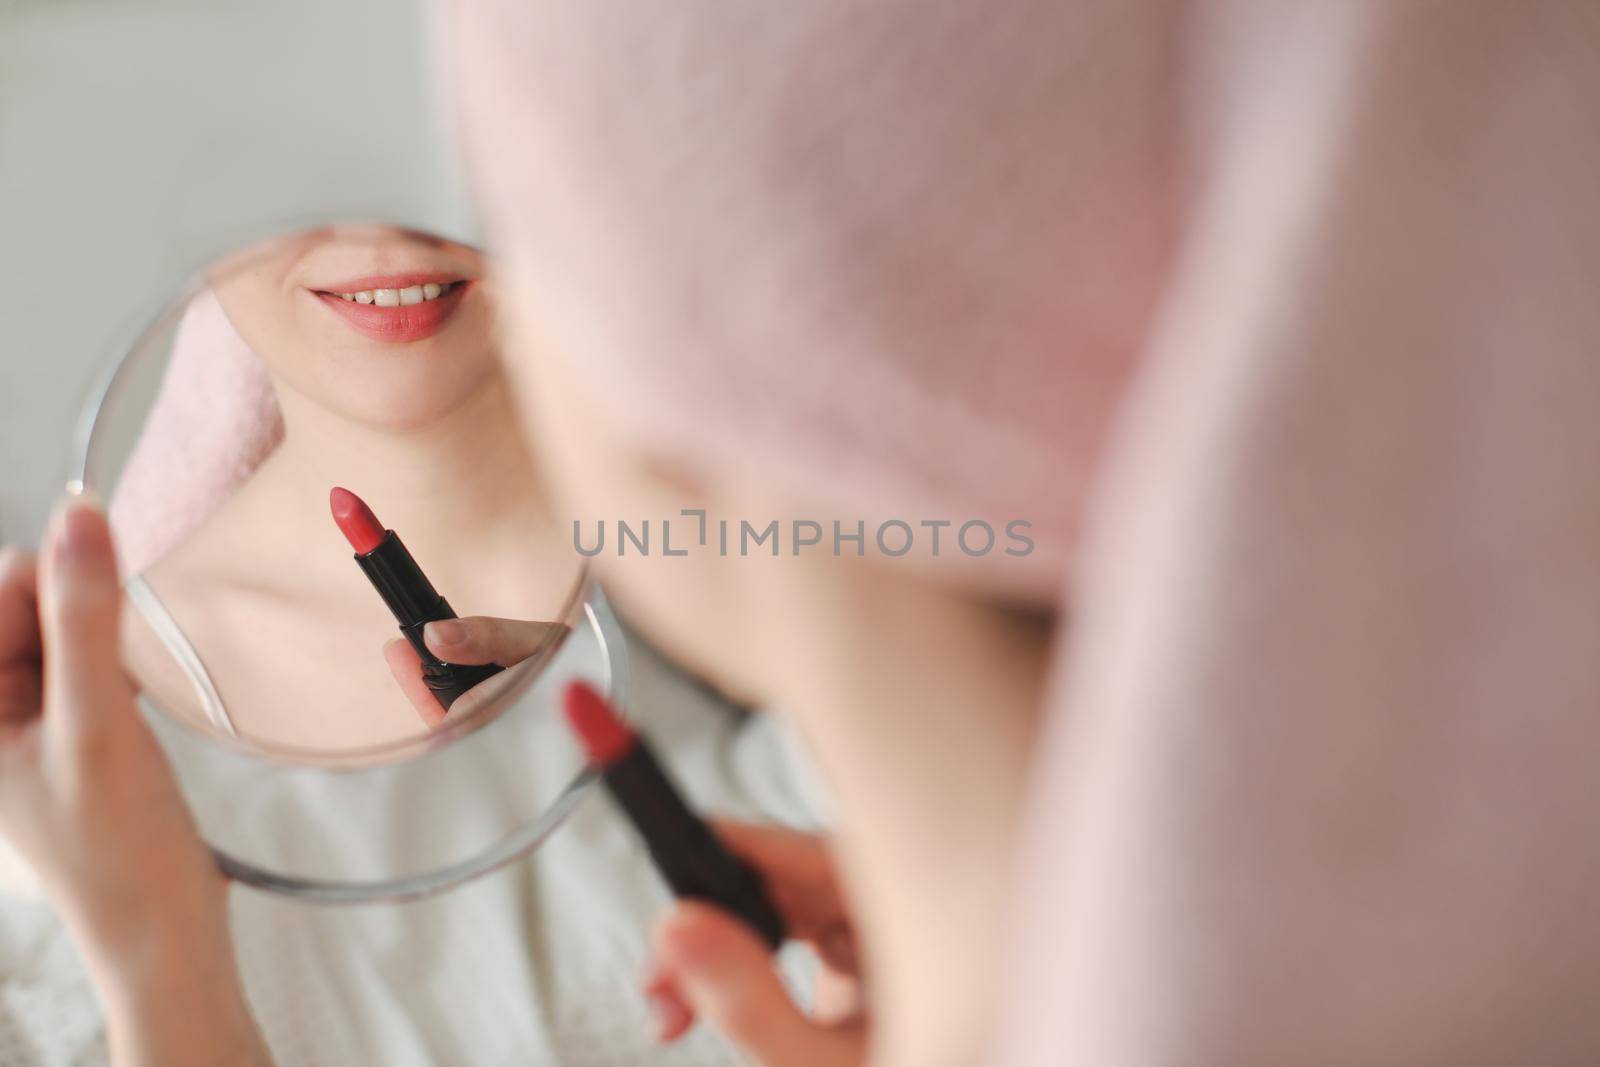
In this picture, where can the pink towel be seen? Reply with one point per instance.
(933, 304)
(1326, 790)
(213, 421)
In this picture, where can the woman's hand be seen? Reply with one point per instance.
(467, 642)
(87, 798)
(709, 963)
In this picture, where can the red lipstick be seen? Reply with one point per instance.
(691, 859)
(359, 525)
(412, 599)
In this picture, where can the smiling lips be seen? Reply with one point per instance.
(396, 308)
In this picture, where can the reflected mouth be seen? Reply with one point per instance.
(395, 309)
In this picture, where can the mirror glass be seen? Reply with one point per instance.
(308, 456)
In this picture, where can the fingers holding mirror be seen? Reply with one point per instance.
(20, 665)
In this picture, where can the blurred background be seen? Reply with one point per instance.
(141, 138)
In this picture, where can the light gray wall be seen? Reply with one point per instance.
(139, 138)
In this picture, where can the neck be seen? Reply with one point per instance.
(464, 473)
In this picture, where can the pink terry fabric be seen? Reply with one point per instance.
(903, 312)
(1325, 793)
(214, 420)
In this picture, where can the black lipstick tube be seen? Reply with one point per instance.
(689, 856)
(415, 603)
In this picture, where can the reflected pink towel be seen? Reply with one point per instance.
(213, 421)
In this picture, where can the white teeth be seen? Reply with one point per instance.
(390, 298)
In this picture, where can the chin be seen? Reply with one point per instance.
(405, 402)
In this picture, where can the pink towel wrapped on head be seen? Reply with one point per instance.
(1324, 793)
(213, 421)
(900, 312)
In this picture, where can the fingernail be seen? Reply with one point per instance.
(659, 1015)
(838, 947)
(670, 1016)
(81, 535)
(445, 632)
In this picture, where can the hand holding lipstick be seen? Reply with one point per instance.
(440, 658)
(742, 891)
(406, 591)
(465, 642)
(707, 964)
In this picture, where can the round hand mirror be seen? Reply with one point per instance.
(311, 466)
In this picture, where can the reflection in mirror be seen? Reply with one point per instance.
(359, 357)
(311, 467)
